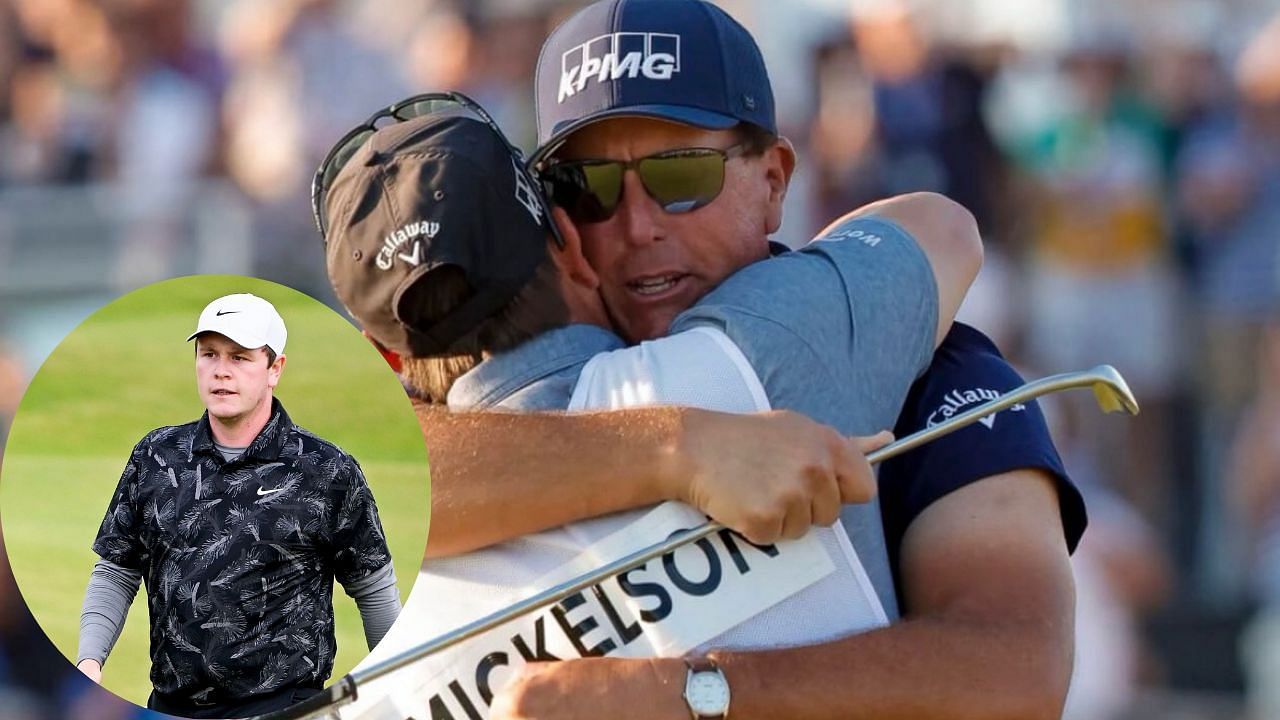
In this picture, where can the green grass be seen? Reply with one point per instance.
(127, 370)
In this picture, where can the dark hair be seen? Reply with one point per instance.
(537, 308)
(754, 139)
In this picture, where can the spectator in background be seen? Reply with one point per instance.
(58, 93)
(119, 93)
(170, 88)
(1102, 288)
(109, 91)
(166, 129)
(301, 74)
(439, 51)
(898, 112)
(906, 113)
(29, 665)
(928, 102)
(1229, 199)
(36, 681)
(844, 144)
(1255, 478)
(1122, 574)
(13, 381)
(507, 46)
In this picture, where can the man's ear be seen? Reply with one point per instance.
(570, 260)
(391, 356)
(780, 163)
(275, 371)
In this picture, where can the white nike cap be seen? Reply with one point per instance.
(246, 319)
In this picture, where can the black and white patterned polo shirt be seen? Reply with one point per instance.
(239, 557)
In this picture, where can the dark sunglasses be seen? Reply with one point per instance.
(680, 181)
(443, 103)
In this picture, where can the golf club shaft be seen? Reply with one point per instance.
(1020, 395)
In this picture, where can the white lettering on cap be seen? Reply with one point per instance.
(617, 55)
(396, 239)
(524, 193)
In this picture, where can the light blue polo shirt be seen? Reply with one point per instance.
(836, 331)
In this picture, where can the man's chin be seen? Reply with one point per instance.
(639, 319)
(224, 413)
(650, 324)
(647, 329)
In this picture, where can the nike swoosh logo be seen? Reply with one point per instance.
(268, 492)
(220, 313)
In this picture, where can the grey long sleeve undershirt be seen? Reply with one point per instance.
(379, 602)
(106, 603)
(112, 589)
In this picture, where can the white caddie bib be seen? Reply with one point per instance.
(721, 591)
(666, 607)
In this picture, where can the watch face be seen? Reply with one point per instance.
(708, 693)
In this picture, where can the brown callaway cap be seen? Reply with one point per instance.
(423, 194)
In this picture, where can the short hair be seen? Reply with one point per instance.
(754, 139)
(536, 308)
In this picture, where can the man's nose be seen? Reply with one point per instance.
(222, 367)
(639, 215)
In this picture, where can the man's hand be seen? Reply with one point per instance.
(772, 475)
(497, 476)
(91, 668)
(594, 688)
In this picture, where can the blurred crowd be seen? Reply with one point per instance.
(1123, 159)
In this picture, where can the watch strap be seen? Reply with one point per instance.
(701, 664)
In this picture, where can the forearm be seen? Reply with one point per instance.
(495, 476)
(106, 605)
(918, 669)
(989, 628)
(378, 600)
(938, 667)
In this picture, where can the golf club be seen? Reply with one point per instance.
(1109, 389)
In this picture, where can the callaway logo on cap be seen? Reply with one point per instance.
(681, 60)
(421, 195)
(247, 320)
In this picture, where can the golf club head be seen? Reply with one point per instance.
(1112, 392)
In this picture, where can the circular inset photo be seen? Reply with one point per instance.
(215, 496)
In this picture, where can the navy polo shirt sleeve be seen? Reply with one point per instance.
(968, 370)
(357, 541)
(120, 536)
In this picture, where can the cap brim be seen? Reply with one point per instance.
(683, 114)
(243, 341)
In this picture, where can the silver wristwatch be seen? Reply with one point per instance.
(706, 690)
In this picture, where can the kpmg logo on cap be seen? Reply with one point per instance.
(616, 55)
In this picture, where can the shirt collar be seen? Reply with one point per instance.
(499, 376)
(266, 446)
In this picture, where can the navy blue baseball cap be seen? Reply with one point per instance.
(680, 60)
